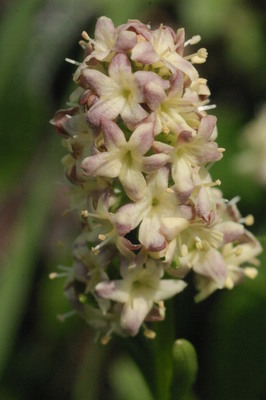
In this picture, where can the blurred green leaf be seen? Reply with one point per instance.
(127, 381)
(25, 243)
(89, 381)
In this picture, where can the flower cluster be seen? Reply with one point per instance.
(140, 146)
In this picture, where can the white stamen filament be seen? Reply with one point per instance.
(69, 60)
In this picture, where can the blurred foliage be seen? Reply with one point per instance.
(40, 358)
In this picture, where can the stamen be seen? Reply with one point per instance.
(149, 333)
(184, 250)
(108, 237)
(211, 184)
(199, 244)
(199, 57)
(106, 339)
(234, 200)
(229, 283)
(251, 272)
(248, 220)
(207, 107)
(69, 60)
(169, 190)
(161, 309)
(165, 130)
(194, 40)
(101, 237)
(85, 36)
(84, 214)
(63, 317)
(238, 250)
(221, 149)
(54, 275)
(255, 262)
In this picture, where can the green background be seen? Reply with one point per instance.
(41, 358)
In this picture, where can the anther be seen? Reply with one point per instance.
(101, 237)
(84, 214)
(251, 272)
(249, 220)
(238, 251)
(149, 333)
(194, 40)
(105, 339)
(54, 275)
(229, 283)
(169, 190)
(85, 36)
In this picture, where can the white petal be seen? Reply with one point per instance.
(134, 313)
(168, 288)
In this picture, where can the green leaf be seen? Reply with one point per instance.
(127, 381)
(25, 242)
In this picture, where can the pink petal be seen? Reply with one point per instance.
(120, 65)
(142, 138)
(144, 53)
(231, 231)
(129, 216)
(154, 95)
(177, 84)
(102, 164)
(126, 41)
(132, 113)
(182, 176)
(99, 82)
(203, 204)
(104, 27)
(213, 266)
(207, 126)
(109, 108)
(154, 162)
(113, 135)
(113, 290)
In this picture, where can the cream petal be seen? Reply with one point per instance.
(133, 182)
(134, 313)
(150, 236)
(168, 288)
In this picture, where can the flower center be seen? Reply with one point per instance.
(155, 202)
